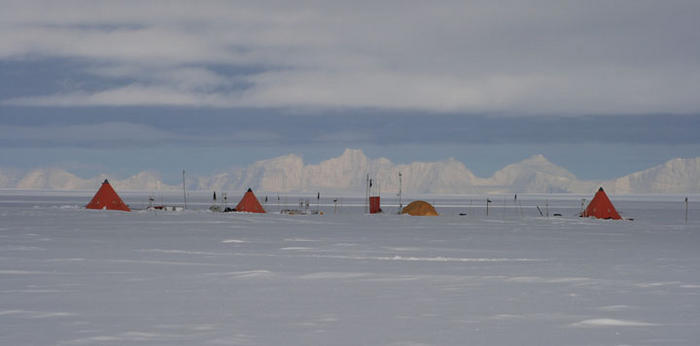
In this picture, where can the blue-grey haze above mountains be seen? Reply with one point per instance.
(125, 141)
(601, 88)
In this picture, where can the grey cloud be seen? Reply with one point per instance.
(515, 57)
(107, 132)
(120, 134)
(182, 77)
(130, 95)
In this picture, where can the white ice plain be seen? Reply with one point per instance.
(70, 276)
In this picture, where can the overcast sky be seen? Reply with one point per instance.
(601, 87)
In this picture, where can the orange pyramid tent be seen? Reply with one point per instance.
(107, 198)
(601, 207)
(249, 203)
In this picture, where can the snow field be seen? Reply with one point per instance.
(71, 276)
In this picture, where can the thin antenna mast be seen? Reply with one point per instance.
(184, 190)
(367, 187)
(400, 200)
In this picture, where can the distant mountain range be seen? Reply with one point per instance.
(347, 173)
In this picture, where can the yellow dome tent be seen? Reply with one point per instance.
(419, 208)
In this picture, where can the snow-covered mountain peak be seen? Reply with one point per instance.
(673, 176)
(281, 160)
(536, 159)
(353, 154)
(535, 174)
(51, 178)
(349, 158)
(532, 165)
(348, 171)
(146, 180)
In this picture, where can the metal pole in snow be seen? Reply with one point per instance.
(367, 194)
(184, 190)
(686, 210)
(400, 200)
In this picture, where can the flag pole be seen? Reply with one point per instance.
(367, 194)
(184, 190)
(400, 200)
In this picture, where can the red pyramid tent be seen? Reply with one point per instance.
(249, 203)
(107, 198)
(601, 207)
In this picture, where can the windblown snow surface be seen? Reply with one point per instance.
(70, 276)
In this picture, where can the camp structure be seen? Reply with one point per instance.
(372, 195)
(107, 198)
(419, 208)
(601, 207)
(374, 205)
(249, 203)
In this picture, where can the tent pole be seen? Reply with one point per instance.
(367, 192)
(184, 190)
(400, 200)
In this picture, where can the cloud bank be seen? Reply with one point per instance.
(515, 57)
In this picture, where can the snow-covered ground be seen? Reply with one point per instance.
(75, 276)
